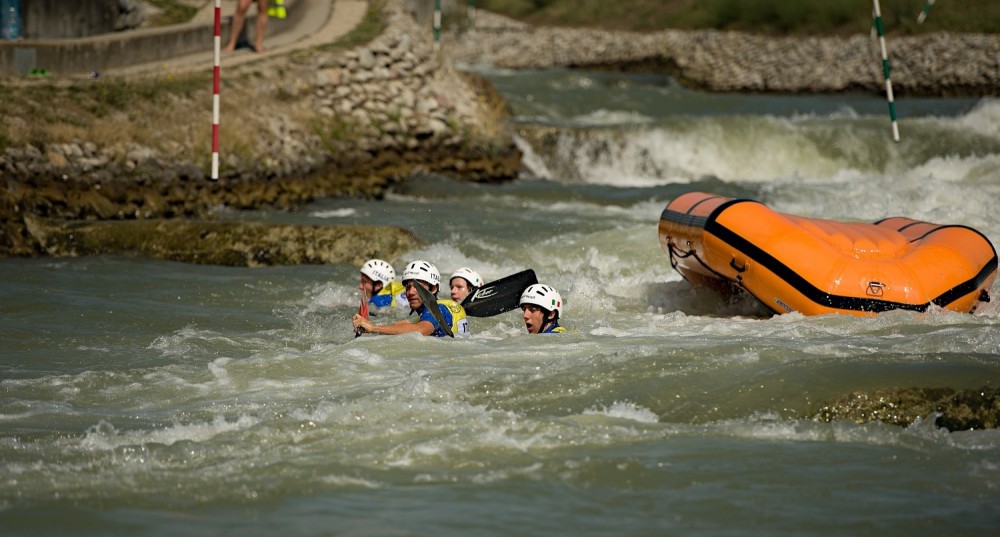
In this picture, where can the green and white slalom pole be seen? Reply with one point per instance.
(437, 24)
(924, 12)
(885, 71)
(472, 14)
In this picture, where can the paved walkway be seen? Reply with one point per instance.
(328, 21)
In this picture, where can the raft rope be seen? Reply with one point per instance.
(216, 75)
(676, 253)
(885, 71)
(925, 11)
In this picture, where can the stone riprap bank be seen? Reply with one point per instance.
(937, 64)
(374, 116)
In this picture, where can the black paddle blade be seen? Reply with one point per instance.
(431, 303)
(499, 296)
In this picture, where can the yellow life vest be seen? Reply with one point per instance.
(393, 294)
(454, 315)
(459, 321)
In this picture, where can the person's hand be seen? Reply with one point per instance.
(360, 322)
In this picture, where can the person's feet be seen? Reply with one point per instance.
(232, 48)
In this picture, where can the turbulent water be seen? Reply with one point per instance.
(142, 397)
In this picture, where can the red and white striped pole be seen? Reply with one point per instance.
(216, 75)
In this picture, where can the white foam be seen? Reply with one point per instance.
(105, 436)
(602, 117)
(531, 161)
(625, 410)
(350, 482)
(984, 118)
(334, 213)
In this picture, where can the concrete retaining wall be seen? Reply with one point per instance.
(57, 19)
(123, 49)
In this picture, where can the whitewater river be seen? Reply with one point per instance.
(142, 397)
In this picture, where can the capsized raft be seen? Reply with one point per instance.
(813, 266)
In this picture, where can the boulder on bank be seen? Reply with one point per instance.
(955, 410)
(241, 244)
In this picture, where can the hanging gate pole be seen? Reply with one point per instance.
(925, 11)
(885, 71)
(437, 24)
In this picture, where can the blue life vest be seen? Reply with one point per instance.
(393, 294)
(454, 315)
(553, 328)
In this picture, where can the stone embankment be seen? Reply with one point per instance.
(368, 117)
(939, 64)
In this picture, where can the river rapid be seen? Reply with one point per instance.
(143, 397)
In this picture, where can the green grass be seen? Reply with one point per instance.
(112, 94)
(42, 112)
(173, 12)
(332, 132)
(774, 17)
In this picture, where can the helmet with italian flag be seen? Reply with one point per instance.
(543, 296)
(423, 271)
(469, 275)
(379, 271)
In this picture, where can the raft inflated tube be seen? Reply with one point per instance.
(814, 266)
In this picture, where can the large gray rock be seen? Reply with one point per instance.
(222, 243)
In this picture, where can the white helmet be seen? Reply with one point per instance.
(543, 296)
(423, 271)
(378, 271)
(470, 276)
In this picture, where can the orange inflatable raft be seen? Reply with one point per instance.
(813, 266)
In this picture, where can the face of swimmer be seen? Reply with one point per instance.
(535, 317)
(460, 289)
(413, 296)
(368, 287)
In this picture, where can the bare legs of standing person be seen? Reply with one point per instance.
(261, 26)
(239, 18)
